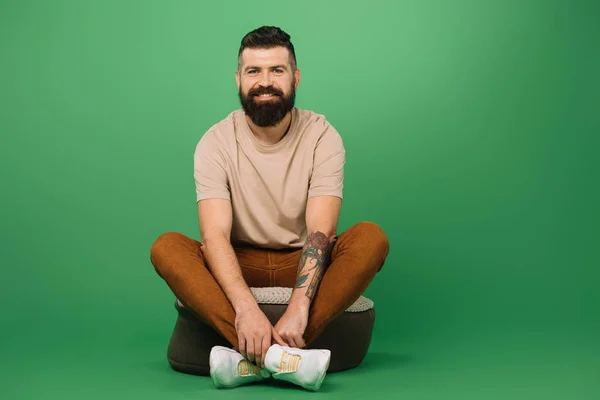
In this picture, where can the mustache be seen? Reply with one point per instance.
(265, 90)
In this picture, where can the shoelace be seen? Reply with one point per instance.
(245, 367)
(289, 362)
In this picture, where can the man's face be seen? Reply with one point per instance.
(267, 85)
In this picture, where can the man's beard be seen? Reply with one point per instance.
(267, 113)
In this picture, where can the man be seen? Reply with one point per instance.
(269, 181)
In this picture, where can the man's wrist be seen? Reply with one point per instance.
(243, 305)
(299, 301)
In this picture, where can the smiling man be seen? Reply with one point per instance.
(269, 180)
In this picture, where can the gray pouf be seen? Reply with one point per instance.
(348, 336)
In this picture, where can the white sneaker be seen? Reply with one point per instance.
(228, 368)
(306, 368)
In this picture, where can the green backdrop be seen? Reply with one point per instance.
(471, 130)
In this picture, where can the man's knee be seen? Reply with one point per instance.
(376, 240)
(375, 235)
(161, 249)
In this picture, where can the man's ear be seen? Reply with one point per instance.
(237, 79)
(296, 78)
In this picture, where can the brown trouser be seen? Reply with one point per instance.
(358, 254)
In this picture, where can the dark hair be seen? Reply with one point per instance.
(267, 37)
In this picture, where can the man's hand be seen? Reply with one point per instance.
(292, 324)
(254, 334)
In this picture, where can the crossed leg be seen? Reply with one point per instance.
(358, 254)
(179, 260)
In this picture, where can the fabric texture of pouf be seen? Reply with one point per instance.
(348, 336)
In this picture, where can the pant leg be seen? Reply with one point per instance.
(357, 256)
(255, 266)
(179, 260)
(284, 267)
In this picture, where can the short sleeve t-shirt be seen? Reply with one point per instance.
(269, 185)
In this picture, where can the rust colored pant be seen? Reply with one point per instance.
(358, 254)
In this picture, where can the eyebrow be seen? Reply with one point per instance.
(273, 67)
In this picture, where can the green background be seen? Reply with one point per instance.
(471, 130)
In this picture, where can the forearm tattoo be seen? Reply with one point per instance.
(313, 261)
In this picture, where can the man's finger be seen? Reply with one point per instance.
(291, 341)
(250, 350)
(258, 351)
(301, 343)
(242, 342)
(265, 347)
(278, 339)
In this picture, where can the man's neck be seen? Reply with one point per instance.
(271, 134)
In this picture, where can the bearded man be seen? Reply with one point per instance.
(269, 180)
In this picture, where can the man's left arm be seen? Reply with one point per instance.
(322, 214)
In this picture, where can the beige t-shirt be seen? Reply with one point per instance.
(269, 185)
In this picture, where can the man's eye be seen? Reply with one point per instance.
(252, 71)
(278, 71)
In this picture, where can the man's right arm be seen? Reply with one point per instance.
(215, 218)
(253, 328)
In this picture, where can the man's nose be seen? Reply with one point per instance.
(265, 79)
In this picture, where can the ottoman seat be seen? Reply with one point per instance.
(348, 336)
